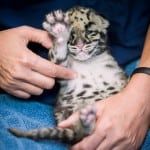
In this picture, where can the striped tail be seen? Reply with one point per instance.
(66, 135)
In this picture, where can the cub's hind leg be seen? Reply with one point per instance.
(85, 124)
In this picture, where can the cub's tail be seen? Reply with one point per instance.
(62, 134)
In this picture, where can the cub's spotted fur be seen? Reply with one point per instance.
(80, 43)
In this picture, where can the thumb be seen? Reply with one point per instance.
(70, 121)
(36, 35)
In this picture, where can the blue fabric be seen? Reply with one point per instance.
(129, 68)
(25, 115)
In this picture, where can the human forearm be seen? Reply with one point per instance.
(145, 59)
(140, 82)
(139, 91)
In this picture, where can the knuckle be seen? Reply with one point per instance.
(25, 31)
(103, 129)
(24, 28)
(121, 134)
(33, 60)
(16, 73)
(44, 34)
(24, 60)
(7, 82)
(107, 127)
(54, 71)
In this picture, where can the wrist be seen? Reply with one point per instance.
(139, 91)
(143, 70)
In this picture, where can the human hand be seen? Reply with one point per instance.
(23, 73)
(122, 123)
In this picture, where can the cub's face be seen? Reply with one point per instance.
(88, 33)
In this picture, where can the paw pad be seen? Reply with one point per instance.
(88, 118)
(57, 24)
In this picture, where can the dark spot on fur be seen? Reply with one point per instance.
(69, 97)
(110, 66)
(105, 83)
(67, 113)
(65, 134)
(82, 76)
(97, 99)
(76, 18)
(110, 88)
(102, 91)
(103, 35)
(91, 51)
(81, 93)
(70, 92)
(60, 133)
(82, 12)
(96, 92)
(88, 15)
(115, 92)
(88, 97)
(72, 53)
(87, 86)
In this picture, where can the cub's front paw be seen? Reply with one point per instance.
(57, 24)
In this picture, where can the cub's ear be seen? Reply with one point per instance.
(104, 21)
(100, 20)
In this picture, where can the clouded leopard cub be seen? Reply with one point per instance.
(80, 43)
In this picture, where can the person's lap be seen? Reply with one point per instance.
(25, 115)
(31, 114)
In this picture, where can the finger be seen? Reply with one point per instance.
(113, 146)
(100, 107)
(36, 35)
(19, 94)
(91, 142)
(123, 146)
(49, 69)
(28, 88)
(39, 80)
(104, 145)
(70, 121)
(19, 85)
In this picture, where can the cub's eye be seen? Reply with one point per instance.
(87, 32)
